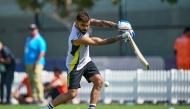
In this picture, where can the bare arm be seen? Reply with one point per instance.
(5, 61)
(102, 23)
(42, 54)
(19, 87)
(51, 86)
(95, 41)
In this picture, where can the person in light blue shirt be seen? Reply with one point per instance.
(34, 52)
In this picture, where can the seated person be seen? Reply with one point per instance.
(57, 86)
(23, 98)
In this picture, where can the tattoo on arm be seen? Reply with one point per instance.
(102, 23)
(111, 40)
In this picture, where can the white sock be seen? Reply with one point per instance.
(92, 106)
(45, 107)
(50, 106)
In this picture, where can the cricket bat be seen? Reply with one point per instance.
(138, 53)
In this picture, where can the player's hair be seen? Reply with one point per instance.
(57, 69)
(186, 29)
(83, 16)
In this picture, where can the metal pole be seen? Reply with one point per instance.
(122, 12)
(120, 42)
(37, 17)
(37, 21)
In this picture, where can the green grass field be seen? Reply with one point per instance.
(98, 107)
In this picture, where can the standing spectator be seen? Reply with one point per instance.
(58, 84)
(7, 68)
(35, 48)
(182, 50)
(23, 98)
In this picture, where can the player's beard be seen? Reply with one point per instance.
(83, 31)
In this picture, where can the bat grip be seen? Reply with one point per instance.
(129, 32)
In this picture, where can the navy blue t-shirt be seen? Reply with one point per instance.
(6, 53)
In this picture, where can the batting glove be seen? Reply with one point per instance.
(125, 36)
(124, 25)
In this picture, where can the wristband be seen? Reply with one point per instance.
(120, 37)
(116, 25)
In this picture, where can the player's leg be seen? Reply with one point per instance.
(92, 75)
(62, 98)
(73, 79)
(72, 93)
(95, 93)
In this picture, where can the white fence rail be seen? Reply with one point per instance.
(133, 85)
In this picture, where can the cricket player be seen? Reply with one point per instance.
(78, 60)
